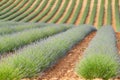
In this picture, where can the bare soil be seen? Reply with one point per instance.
(61, 6)
(36, 8)
(105, 12)
(73, 12)
(42, 9)
(113, 15)
(66, 10)
(118, 41)
(81, 12)
(18, 5)
(90, 11)
(64, 69)
(51, 10)
(97, 13)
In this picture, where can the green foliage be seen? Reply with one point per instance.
(39, 56)
(97, 66)
(109, 13)
(26, 13)
(31, 16)
(54, 20)
(10, 17)
(45, 19)
(6, 5)
(102, 52)
(10, 7)
(85, 12)
(14, 10)
(100, 18)
(117, 15)
(36, 19)
(69, 12)
(3, 2)
(16, 40)
(92, 17)
(15, 28)
(77, 12)
(10, 23)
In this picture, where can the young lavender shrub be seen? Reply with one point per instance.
(97, 66)
(100, 59)
(12, 41)
(12, 29)
(37, 57)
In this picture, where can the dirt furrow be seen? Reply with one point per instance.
(81, 12)
(35, 2)
(90, 11)
(30, 6)
(53, 7)
(25, 5)
(105, 12)
(119, 6)
(113, 15)
(17, 6)
(61, 6)
(43, 9)
(118, 41)
(38, 7)
(72, 15)
(64, 69)
(97, 13)
(69, 4)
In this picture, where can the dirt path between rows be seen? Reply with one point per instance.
(81, 12)
(97, 14)
(51, 10)
(15, 1)
(64, 69)
(61, 6)
(105, 12)
(65, 13)
(118, 41)
(49, 2)
(90, 11)
(119, 6)
(73, 12)
(113, 15)
(26, 4)
(36, 9)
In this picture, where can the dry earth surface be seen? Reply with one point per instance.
(64, 69)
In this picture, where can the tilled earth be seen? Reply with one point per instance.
(64, 69)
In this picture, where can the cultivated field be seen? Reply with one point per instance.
(95, 12)
(59, 39)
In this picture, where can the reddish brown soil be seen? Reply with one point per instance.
(90, 11)
(118, 41)
(113, 15)
(49, 2)
(81, 12)
(51, 10)
(97, 13)
(65, 12)
(64, 69)
(105, 12)
(36, 9)
(56, 14)
(73, 12)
